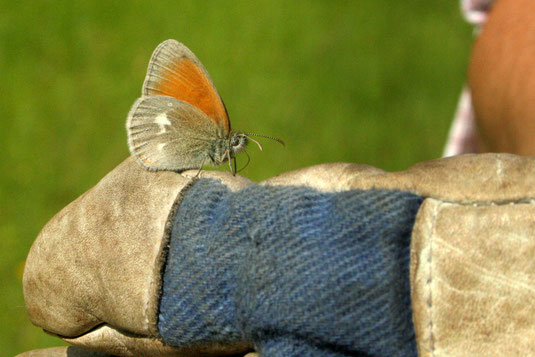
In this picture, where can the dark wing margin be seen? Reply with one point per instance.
(175, 71)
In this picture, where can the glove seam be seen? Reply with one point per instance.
(429, 280)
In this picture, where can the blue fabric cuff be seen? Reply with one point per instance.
(291, 271)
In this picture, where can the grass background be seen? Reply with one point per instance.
(372, 82)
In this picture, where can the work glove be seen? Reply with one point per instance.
(331, 260)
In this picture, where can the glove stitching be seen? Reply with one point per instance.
(429, 281)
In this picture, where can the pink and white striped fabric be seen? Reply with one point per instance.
(476, 11)
(462, 137)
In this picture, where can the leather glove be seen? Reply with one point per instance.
(121, 269)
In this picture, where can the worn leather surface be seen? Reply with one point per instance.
(93, 274)
(467, 178)
(473, 278)
(97, 263)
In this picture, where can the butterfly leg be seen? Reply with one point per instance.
(200, 168)
(230, 164)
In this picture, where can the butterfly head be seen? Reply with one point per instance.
(226, 148)
(237, 143)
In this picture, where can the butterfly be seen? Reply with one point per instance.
(180, 122)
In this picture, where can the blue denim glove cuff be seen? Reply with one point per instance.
(291, 271)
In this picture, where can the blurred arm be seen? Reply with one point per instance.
(502, 78)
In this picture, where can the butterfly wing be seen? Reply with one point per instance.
(167, 134)
(175, 71)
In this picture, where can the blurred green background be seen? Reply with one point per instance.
(372, 82)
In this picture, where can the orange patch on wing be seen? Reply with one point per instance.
(144, 158)
(185, 81)
(148, 162)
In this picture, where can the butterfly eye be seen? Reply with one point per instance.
(237, 140)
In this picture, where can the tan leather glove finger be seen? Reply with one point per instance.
(93, 274)
(71, 351)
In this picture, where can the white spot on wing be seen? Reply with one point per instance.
(162, 121)
(161, 146)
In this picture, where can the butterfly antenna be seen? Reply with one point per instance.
(248, 160)
(267, 137)
(257, 143)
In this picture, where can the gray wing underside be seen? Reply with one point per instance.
(165, 133)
